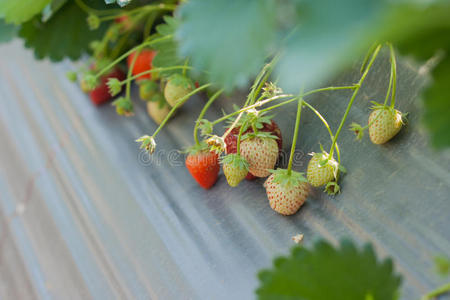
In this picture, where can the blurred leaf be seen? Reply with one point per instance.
(51, 9)
(19, 11)
(66, 34)
(442, 265)
(331, 35)
(437, 105)
(7, 31)
(228, 38)
(324, 273)
(167, 51)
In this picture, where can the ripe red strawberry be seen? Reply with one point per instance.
(235, 167)
(143, 63)
(101, 94)
(176, 88)
(318, 174)
(286, 192)
(204, 167)
(261, 153)
(231, 139)
(384, 124)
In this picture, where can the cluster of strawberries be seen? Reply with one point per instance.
(257, 155)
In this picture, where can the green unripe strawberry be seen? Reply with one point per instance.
(261, 152)
(235, 168)
(321, 170)
(286, 191)
(176, 88)
(147, 89)
(384, 124)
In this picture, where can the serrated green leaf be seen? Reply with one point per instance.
(19, 11)
(7, 31)
(325, 272)
(66, 34)
(228, 38)
(167, 51)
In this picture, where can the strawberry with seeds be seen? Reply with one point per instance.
(203, 165)
(143, 63)
(261, 151)
(384, 123)
(235, 168)
(177, 87)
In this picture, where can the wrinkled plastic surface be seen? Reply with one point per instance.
(85, 215)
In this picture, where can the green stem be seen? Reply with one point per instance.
(294, 141)
(325, 123)
(391, 76)
(238, 142)
(178, 104)
(153, 71)
(126, 54)
(148, 25)
(257, 104)
(394, 74)
(352, 99)
(331, 88)
(440, 290)
(186, 66)
(263, 80)
(130, 71)
(202, 113)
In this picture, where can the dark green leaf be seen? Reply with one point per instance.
(19, 11)
(325, 272)
(66, 34)
(228, 38)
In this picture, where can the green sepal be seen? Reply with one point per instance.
(206, 127)
(358, 130)
(201, 147)
(260, 134)
(236, 160)
(114, 86)
(124, 106)
(159, 98)
(283, 177)
(332, 188)
(93, 21)
(148, 143)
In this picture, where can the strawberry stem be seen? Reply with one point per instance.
(440, 290)
(394, 74)
(391, 77)
(90, 10)
(294, 140)
(238, 142)
(155, 70)
(202, 113)
(126, 54)
(325, 123)
(129, 73)
(178, 104)
(352, 99)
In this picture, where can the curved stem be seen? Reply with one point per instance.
(130, 71)
(391, 76)
(126, 54)
(89, 10)
(294, 141)
(352, 99)
(325, 123)
(238, 142)
(178, 104)
(202, 113)
(153, 71)
(440, 290)
(394, 74)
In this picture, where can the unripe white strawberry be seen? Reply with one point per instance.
(286, 192)
(261, 153)
(319, 174)
(384, 124)
(235, 168)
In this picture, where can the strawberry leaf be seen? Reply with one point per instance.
(167, 51)
(66, 34)
(229, 38)
(324, 272)
(19, 11)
